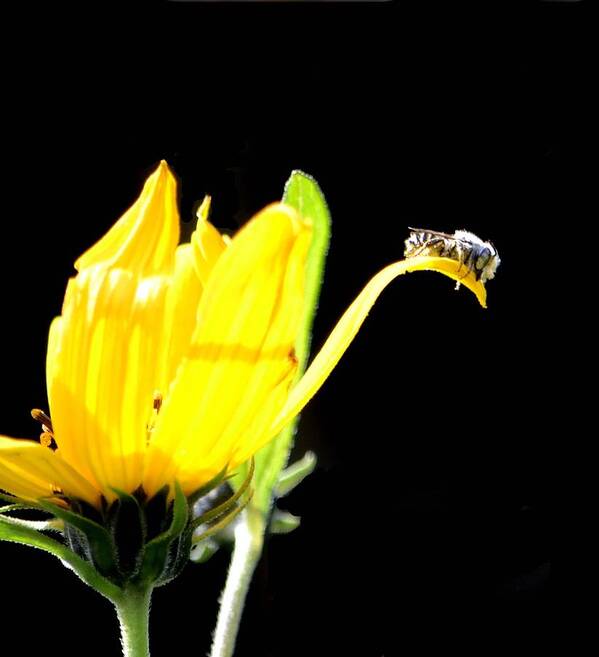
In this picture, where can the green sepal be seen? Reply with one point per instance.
(207, 487)
(224, 522)
(226, 506)
(52, 524)
(93, 541)
(158, 556)
(294, 474)
(126, 523)
(283, 522)
(17, 533)
(177, 558)
(156, 513)
(12, 507)
(24, 504)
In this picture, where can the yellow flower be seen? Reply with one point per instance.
(173, 363)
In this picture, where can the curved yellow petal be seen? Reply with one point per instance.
(193, 264)
(104, 352)
(271, 376)
(453, 269)
(257, 434)
(242, 348)
(103, 367)
(180, 320)
(31, 471)
(145, 237)
(350, 323)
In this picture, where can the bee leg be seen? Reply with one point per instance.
(462, 263)
(469, 266)
(417, 251)
(435, 243)
(486, 258)
(426, 245)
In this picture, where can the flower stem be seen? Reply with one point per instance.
(133, 611)
(249, 538)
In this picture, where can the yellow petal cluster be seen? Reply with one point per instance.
(208, 328)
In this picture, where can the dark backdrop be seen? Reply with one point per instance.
(426, 524)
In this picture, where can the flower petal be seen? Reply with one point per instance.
(208, 244)
(103, 369)
(193, 264)
(31, 471)
(241, 350)
(182, 303)
(257, 433)
(350, 323)
(104, 359)
(453, 269)
(145, 237)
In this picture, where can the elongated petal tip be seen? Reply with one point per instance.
(351, 321)
(453, 269)
(204, 209)
(145, 237)
(208, 243)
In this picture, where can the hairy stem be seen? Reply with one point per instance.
(249, 537)
(133, 611)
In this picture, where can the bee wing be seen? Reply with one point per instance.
(432, 232)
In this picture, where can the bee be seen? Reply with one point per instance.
(480, 258)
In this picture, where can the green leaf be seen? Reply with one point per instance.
(201, 552)
(303, 193)
(16, 533)
(283, 522)
(293, 475)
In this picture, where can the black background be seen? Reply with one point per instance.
(426, 526)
